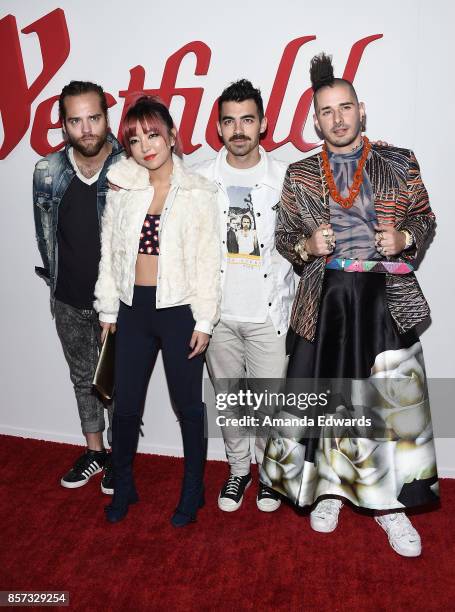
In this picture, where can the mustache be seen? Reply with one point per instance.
(340, 126)
(238, 137)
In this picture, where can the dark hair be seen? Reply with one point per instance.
(77, 88)
(152, 114)
(321, 75)
(239, 92)
(246, 217)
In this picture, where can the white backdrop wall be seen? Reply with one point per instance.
(405, 78)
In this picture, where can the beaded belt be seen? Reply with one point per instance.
(357, 265)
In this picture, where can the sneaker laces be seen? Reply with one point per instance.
(398, 525)
(85, 461)
(232, 485)
(327, 507)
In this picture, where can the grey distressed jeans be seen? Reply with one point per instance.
(80, 334)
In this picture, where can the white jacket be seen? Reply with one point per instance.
(189, 260)
(279, 280)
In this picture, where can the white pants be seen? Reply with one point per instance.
(238, 350)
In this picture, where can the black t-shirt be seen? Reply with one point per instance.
(79, 246)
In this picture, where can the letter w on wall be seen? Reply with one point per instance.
(15, 96)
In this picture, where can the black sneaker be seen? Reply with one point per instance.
(88, 464)
(267, 499)
(231, 495)
(107, 481)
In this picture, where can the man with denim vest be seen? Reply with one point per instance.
(257, 283)
(69, 192)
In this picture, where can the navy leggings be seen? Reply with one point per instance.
(142, 331)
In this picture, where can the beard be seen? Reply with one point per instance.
(343, 141)
(88, 146)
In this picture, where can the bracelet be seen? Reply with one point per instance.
(409, 239)
(300, 249)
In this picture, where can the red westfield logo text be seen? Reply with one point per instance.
(16, 96)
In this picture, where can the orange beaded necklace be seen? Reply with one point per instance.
(358, 176)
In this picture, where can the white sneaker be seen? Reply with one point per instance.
(403, 538)
(324, 517)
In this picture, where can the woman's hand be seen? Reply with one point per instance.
(106, 327)
(198, 343)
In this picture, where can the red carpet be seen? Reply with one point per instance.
(57, 539)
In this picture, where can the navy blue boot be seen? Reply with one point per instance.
(195, 450)
(125, 434)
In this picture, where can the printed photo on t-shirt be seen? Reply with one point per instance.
(242, 242)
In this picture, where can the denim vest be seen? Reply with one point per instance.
(51, 179)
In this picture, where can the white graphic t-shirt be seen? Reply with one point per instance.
(244, 296)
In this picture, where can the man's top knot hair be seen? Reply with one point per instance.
(321, 71)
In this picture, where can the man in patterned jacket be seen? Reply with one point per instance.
(353, 218)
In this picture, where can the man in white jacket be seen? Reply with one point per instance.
(257, 283)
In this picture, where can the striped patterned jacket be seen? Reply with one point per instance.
(400, 198)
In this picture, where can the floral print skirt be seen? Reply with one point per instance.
(372, 442)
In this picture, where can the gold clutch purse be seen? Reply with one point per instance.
(103, 380)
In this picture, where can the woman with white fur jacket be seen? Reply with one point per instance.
(158, 287)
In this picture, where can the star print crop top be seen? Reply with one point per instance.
(148, 240)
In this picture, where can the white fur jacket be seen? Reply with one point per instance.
(189, 260)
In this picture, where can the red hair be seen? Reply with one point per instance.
(152, 115)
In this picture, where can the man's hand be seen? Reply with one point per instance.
(388, 240)
(322, 241)
(198, 343)
(106, 328)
